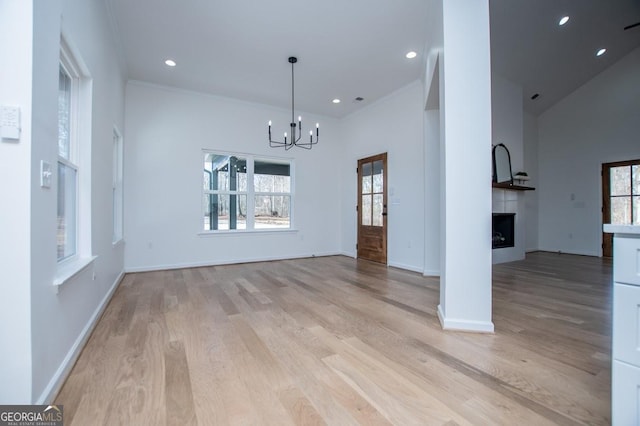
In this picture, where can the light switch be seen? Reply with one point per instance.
(45, 174)
(9, 122)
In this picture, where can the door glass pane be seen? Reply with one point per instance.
(366, 178)
(272, 211)
(620, 210)
(636, 180)
(378, 176)
(636, 210)
(366, 210)
(377, 210)
(620, 180)
(66, 226)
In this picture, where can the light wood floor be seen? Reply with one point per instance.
(337, 341)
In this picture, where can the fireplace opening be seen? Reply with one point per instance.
(503, 229)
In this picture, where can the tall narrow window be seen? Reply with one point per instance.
(117, 187)
(272, 188)
(225, 186)
(73, 213)
(67, 222)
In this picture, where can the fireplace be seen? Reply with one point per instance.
(503, 230)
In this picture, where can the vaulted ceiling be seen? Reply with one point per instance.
(356, 48)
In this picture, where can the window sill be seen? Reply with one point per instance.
(246, 232)
(117, 243)
(68, 270)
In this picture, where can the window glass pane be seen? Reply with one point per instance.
(636, 210)
(377, 210)
(66, 232)
(272, 211)
(271, 177)
(64, 114)
(366, 178)
(620, 180)
(636, 180)
(225, 173)
(366, 210)
(378, 176)
(225, 212)
(620, 210)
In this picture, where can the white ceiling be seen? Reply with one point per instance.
(351, 48)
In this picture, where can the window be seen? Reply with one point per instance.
(73, 230)
(244, 193)
(117, 190)
(67, 230)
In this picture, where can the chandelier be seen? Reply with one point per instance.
(296, 129)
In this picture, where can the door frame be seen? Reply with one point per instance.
(607, 238)
(359, 227)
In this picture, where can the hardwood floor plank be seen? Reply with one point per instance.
(334, 340)
(179, 398)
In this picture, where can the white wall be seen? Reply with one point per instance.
(167, 129)
(506, 118)
(16, 32)
(507, 128)
(433, 122)
(56, 324)
(530, 139)
(596, 124)
(393, 125)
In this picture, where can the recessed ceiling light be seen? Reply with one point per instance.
(601, 52)
(411, 55)
(170, 63)
(563, 20)
(336, 101)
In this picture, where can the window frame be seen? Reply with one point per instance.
(250, 193)
(67, 66)
(80, 140)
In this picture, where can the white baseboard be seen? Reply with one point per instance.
(351, 254)
(464, 325)
(202, 264)
(69, 361)
(431, 272)
(576, 252)
(406, 267)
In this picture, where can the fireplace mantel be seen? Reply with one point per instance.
(511, 187)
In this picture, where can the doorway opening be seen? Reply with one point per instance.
(620, 198)
(372, 208)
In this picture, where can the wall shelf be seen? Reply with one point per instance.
(511, 187)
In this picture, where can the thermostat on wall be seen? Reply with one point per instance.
(10, 122)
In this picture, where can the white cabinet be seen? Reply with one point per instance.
(625, 374)
(625, 404)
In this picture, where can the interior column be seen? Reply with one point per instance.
(465, 167)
